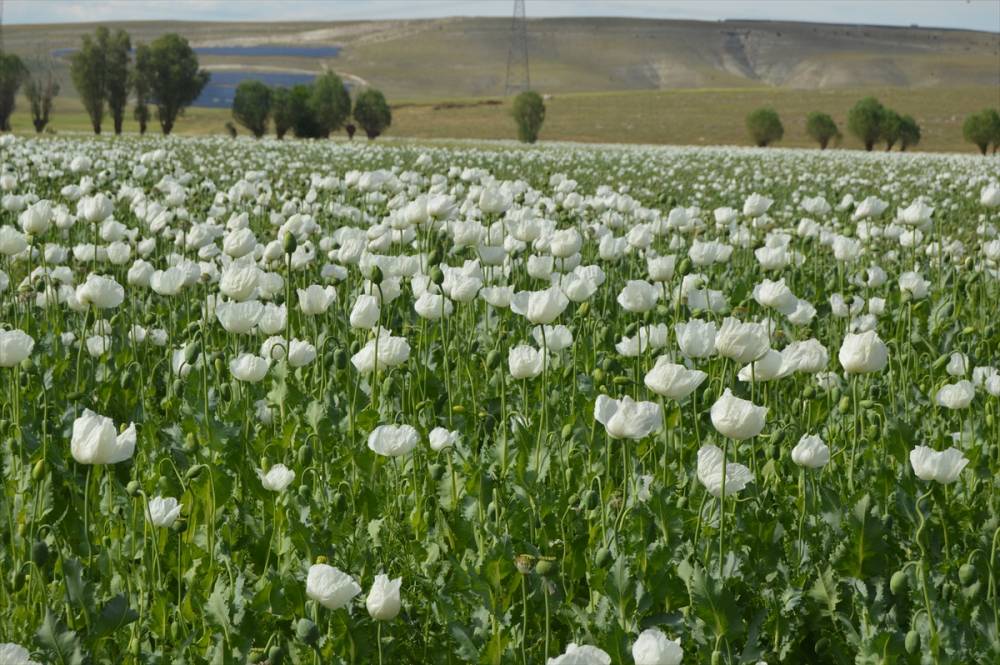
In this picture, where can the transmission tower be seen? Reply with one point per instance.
(518, 78)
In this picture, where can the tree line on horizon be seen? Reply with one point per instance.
(165, 75)
(107, 73)
(313, 110)
(868, 120)
(872, 123)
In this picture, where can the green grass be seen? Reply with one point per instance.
(684, 117)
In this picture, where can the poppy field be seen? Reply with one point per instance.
(318, 402)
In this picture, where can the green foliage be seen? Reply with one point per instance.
(535, 528)
(117, 76)
(864, 120)
(909, 132)
(372, 112)
(821, 128)
(890, 128)
(12, 74)
(40, 90)
(528, 111)
(764, 126)
(141, 84)
(281, 111)
(330, 103)
(175, 79)
(89, 71)
(300, 111)
(252, 106)
(982, 129)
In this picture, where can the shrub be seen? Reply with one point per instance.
(821, 128)
(252, 106)
(764, 126)
(529, 114)
(864, 120)
(982, 129)
(372, 112)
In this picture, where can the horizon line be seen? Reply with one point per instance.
(889, 26)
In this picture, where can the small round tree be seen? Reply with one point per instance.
(891, 127)
(765, 127)
(529, 114)
(330, 102)
(909, 132)
(252, 106)
(372, 112)
(304, 123)
(821, 128)
(865, 121)
(281, 111)
(12, 74)
(982, 129)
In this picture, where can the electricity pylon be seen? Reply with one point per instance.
(518, 77)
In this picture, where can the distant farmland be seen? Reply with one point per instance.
(605, 80)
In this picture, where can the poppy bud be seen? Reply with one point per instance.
(306, 631)
(290, 243)
(437, 275)
(547, 567)
(38, 471)
(912, 642)
(40, 553)
(133, 488)
(897, 582)
(967, 574)
(376, 276)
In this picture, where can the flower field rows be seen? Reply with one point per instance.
(326, 403)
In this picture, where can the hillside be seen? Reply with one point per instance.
(466, 57)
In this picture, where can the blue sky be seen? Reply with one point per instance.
(971, 14)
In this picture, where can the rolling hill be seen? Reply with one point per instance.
(420, 64)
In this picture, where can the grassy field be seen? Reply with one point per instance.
(683, 117)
